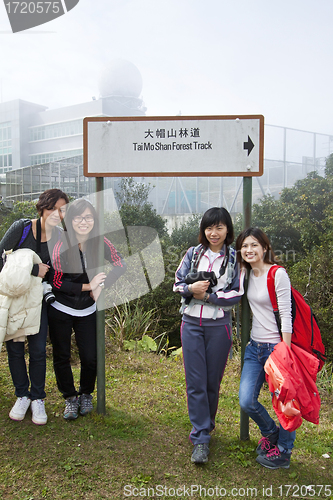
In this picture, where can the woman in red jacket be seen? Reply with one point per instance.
(254, 252)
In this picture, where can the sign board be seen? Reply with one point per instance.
(146, 146)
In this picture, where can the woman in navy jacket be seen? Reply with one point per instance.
(77, 288)
(205, 329)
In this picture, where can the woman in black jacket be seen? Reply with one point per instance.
(38, 235)
(76, 287)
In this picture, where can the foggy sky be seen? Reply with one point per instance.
(195, 57)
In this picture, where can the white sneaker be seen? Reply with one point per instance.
(39, 416)
(20, 408)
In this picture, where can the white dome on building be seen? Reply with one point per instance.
(120, 78)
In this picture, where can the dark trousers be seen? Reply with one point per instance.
(60, 330)
(37, 362)
(205, 354)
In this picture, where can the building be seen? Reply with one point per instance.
(42, 148)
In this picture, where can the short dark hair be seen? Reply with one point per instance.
(262, 238)
(213, 217)
(49, 198)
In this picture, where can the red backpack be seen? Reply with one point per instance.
(306, 333)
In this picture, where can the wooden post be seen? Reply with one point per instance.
(100, 313)
(245, 317)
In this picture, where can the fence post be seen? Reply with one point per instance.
(100, 313)
(245, 316)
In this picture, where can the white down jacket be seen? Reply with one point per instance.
(21, 296)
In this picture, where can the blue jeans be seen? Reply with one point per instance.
(37, 362)
(252, 379)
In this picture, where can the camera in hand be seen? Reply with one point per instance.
(202, 276)
(48, 294)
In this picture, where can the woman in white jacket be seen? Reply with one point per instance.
(36, 235)
(205, 329)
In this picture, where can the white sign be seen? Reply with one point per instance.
(174, 146)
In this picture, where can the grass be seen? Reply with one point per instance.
(142, 442)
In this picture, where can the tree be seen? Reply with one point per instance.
(134, 207)
(313, 277)
(143, 215)
(329, 166)
(298, 220)
(186, 235)
(274, 218)
(132, 193)
(20, 210)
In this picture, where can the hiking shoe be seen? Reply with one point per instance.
(20, 408)
(72, 408)
(266, 443)
(39, 416)
(86, 405)
(200, 453)
(275, 459)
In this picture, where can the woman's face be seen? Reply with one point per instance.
(83, 223)
(52, 217)
(216, 235)
(252, 251)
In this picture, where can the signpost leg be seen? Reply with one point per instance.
(245, 317)
(100, 313)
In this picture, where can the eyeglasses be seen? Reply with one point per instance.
(87, 218)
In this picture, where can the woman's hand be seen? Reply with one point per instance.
(287, 338)
(43, 269)
(97, 281)
(96, 293)
(199, 288)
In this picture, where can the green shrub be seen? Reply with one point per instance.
(313, 277)
(129, 322)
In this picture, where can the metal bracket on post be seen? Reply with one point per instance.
(100, 313)
(245, 330)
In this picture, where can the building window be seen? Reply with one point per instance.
(65, 129)
(6, 145)
(42, 158)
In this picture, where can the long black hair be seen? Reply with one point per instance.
(263, 240)
(73, 259)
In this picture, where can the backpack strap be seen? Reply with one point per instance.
(26, 228)
(228, 265)
(228, 260)
(272, 294)
(198, 252)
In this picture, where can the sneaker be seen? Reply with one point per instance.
(200, 453)
(39, 416)
(267, 443)
(20, 408)
(275, 459)
(86, 406)
(71, 408)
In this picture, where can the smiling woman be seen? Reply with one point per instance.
(37, 235)
(255, 253)
(205, 328)
(77, 288)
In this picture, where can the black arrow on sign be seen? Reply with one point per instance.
(248, 145)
